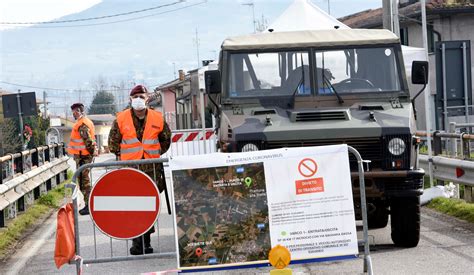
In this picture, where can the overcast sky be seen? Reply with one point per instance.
(45, 10)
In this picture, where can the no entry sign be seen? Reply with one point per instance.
(124, 203)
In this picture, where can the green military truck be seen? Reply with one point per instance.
(312, 88)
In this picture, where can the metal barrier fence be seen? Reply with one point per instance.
(111, 257)
(97, 234)
(27, 175)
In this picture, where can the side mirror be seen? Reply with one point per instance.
(213, 82)
(419, 72)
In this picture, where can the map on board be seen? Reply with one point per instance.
(221, 215)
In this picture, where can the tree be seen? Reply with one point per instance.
(103, 103)
(11, 142)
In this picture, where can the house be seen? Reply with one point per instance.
(181, 99)
(447, 20)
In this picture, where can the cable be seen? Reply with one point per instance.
(92, 18)
(69, 89)
(120, 21)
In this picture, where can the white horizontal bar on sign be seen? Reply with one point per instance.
(124, 203)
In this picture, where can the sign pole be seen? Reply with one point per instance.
(20, 116)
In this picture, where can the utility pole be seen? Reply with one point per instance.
(196, 40)
(45, 105)
(251, 4)
(395, 21)
(174, 70)
(427, 93)
(387, 14)
(329, 7)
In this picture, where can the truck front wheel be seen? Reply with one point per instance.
(405, 221)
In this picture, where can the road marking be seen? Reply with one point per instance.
(125, 203)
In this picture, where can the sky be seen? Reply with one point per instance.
(45, 10)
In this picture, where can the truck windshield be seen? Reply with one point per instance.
(288, 73)
(357, 70)
(269, 74)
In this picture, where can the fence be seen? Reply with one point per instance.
(115, 252)
(452, 158)
(27, 175)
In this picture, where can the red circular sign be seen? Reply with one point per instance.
(124, 203)
(307, 167)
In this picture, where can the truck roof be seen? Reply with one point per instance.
(314, 38)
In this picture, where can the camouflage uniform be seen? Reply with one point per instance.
(84, 180)
(155, 171)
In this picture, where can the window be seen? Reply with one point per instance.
(269, 74)
(357, 70)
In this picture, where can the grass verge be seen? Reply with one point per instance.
(454, 207)
(16, 229)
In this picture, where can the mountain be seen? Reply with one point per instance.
(132, 51)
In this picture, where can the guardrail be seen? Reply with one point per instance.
(449, 169)
(27, 175)
(452, 160)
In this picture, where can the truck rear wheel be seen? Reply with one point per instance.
(405, 221)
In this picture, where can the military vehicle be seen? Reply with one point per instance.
(311, 88)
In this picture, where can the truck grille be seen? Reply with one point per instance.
(301, 116)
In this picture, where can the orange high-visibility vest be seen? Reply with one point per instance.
(76, 144)
(149, 147)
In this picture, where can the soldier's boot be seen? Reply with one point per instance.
(147, 239)
(137, 248)
(85, 211)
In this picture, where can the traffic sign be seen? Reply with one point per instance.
(307, 167)
(124, 203)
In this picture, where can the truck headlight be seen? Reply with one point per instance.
(249, 147)
(396, 146)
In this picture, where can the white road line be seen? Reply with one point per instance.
(124, 203)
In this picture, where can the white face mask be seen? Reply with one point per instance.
(138, 104)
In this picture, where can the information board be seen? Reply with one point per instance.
(231, 209)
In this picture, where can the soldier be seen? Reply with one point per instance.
(83, 147)
(141, 133)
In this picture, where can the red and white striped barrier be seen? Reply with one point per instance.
(192, 142)
(191, 135)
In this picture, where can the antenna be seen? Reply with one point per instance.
(251, 4)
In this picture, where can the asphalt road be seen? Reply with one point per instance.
(446, 247)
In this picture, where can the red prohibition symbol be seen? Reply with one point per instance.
(307, 167)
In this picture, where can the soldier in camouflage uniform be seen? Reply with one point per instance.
(83, 156)
(139, 115)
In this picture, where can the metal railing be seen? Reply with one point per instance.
(81, 259)
(452, 158)
(27, 175)
(98, 236)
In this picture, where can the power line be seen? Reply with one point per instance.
(92, 18)
(69, 89)
(119, 21)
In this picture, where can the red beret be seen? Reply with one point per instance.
(139, 89)
(76, 105)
